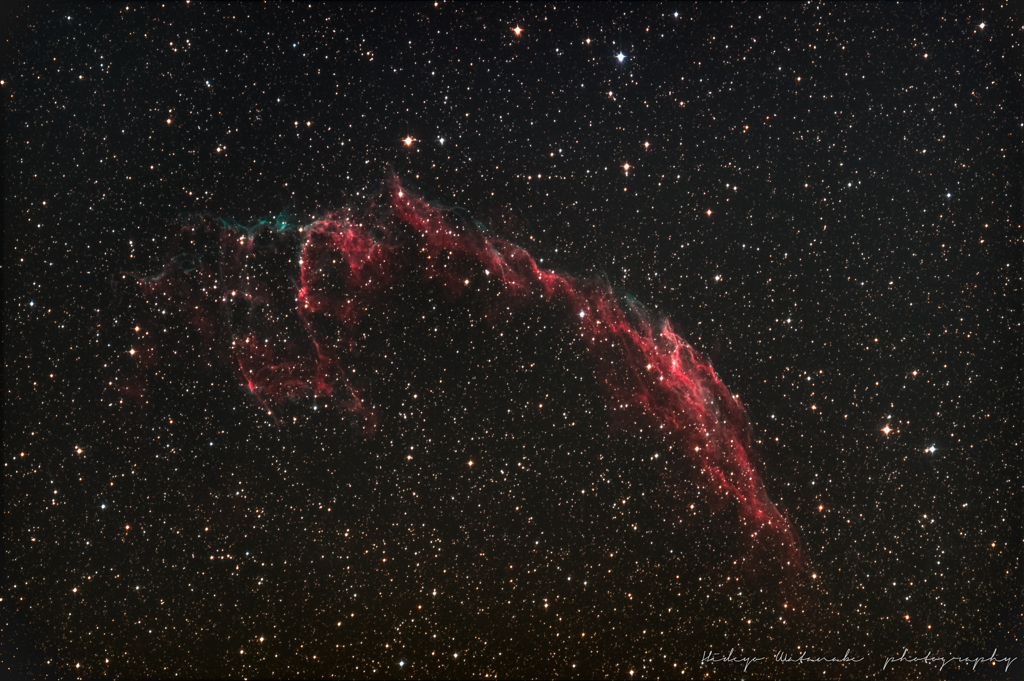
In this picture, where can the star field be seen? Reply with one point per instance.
(448, 477)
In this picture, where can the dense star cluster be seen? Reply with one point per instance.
(583, 341)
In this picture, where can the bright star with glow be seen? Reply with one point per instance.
(408, 141)
(621, 57)
(887, 429)
(518, 31)
(931, 450)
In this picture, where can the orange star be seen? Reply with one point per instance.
(408, 141)
(517, 31)
(887, 429)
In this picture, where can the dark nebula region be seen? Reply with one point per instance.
(416, 328)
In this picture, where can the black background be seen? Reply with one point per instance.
(860, 266)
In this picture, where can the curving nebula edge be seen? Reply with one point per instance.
(289, 306)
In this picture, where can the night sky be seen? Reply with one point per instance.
(415, 340)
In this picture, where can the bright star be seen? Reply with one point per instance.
(887, 429)
(517, 31)
(408, 141)
(931, 450)
(621, 57)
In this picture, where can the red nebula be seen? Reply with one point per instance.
(652, 381)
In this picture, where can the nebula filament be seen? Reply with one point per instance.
(295, 309)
